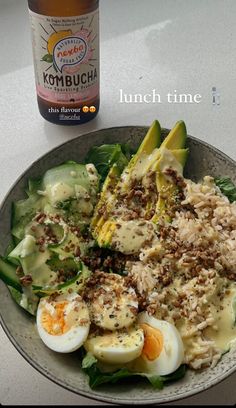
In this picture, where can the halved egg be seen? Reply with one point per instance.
(163, 350)
(112, 305)
(63, 322)
(118, 347)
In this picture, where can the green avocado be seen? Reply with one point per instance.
(151, 140)
(176, 138)
(181, 155)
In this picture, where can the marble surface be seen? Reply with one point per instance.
(185, 46)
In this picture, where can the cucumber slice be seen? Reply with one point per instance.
(33, 186)
(69, 246)
(59, 182)
(10, 247)
(69, 173)
(68, 264)
(75, 284)
(8, 274)
(23, 208)
(22, 213)
(27, 303)
(27, 254)
(26, 247)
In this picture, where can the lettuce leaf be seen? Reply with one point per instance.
(96, 377)
(103, 157)
(227, 187)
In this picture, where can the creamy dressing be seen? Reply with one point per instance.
(130, 236)
(144, 164)
(59, 192)
(81, 192)
(84, 206)
(35, 265)
(224, 330)
(92, 174)
(161, 158)
(168, 160)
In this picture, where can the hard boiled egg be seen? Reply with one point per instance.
(63, 322)
(163, 349)
(118, 347)
(112, 305)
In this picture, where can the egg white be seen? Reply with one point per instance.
(118, 347)
(172, 353)
(77, 333)
(114, 305)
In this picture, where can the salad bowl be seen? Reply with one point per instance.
(65, 369)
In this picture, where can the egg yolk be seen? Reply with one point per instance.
(153, 342)
(55, 324)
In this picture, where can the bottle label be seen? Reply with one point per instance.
(66, 57)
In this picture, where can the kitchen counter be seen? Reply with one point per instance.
(156, 47)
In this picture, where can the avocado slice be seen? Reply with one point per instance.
(106, 233)
(176, 138)
(151, 141)
(167, 190)
(181, 155)
(106, 199)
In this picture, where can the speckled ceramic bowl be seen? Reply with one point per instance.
(20, 327)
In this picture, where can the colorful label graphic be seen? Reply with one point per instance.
(66, 54)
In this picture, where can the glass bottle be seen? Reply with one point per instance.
(65, 40)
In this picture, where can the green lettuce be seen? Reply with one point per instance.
(227, 187)
(96, 377)
(103, 157)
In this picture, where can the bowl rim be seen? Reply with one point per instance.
(92, 394)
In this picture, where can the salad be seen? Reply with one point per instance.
(128, 263)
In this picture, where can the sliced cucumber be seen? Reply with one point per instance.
(23, 212)
(36, 266)
(26, 247)
(19, 229)
(8, 274)
(27, 254)
(70, 245)
(75, 284)
(29, 206)
(59, 182)
(34, 185)
(29, 303)
(67, 265)
(10, 247)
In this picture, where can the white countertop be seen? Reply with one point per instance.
(166, 45)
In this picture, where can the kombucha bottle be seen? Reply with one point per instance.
(65, 40)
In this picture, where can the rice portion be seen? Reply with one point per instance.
(190, 268)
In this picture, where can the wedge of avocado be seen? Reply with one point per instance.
(150, 142)
(181, 155)
(108, 189)
(176, 139)
(115, 178)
